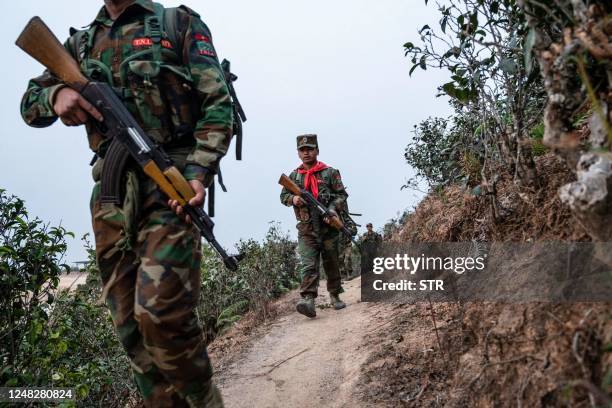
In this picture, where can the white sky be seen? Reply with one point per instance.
(335, 68)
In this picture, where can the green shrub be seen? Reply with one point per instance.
(537, 140)
(51, 338)
(493, 82)
(267, 271)
(81, 350)
(444, 152)
(31, 253)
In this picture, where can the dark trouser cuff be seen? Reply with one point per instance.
(306, 295)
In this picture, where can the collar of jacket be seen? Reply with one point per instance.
(103, 17)
(301, 167)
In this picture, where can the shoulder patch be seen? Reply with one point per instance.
(201, 37)
(204, 45)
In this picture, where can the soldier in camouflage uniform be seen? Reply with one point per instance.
(316, 239)
(370, 244)
(148, 256)
(345, 249)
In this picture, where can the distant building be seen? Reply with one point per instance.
(78, 266)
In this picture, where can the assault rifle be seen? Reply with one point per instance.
(315, 205)
(38, 41)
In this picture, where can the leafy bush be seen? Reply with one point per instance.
(443, 153)
(394, 225)
(52, 338)
(267, 271)
(494, 87)
(81, 351)
(31, 253)
(537, 140)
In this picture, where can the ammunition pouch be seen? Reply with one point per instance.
(163, 97)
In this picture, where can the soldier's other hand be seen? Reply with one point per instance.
(196, 201)
(298, 201)
(73, 109)
(333, 214)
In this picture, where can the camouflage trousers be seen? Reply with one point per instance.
(149, 263)
(312, 246)
(346, 261)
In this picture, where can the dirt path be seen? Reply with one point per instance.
(303, 362)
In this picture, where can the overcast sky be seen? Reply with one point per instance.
(333, 67)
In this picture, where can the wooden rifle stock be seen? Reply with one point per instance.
(38, 41)
(333, 219)
(290, 185)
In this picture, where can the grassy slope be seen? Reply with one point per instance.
(492, 354)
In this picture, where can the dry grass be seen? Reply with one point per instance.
(528, 214)
(493, 354)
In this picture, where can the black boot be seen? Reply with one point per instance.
(306, 306)
(335, 301)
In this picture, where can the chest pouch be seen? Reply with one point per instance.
(155, 88)
(160, 94)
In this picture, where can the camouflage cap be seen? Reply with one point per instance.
(309, 140)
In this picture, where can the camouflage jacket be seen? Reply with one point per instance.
(331, 192)
(180, 98)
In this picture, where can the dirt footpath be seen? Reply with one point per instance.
(302, 362)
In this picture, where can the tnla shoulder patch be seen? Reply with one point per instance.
(204, 44)
(148, 42)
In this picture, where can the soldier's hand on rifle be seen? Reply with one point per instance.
(196, 201)
(328, 220)
(298, 201)
(73, 109)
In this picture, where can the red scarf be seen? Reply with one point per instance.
(310, 180)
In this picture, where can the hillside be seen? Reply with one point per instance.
(450, 354)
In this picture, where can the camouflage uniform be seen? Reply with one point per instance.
(345, 249)
(316, 239)
(370, 244)
(149, 259)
